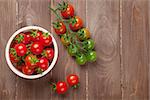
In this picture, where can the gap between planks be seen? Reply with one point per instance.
(121, 58)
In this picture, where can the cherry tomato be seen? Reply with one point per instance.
(43, 64)
(12, 45)
(13, 55)
(59, 28)
(73, 80)
(48, 53)
(23, 38)
(21, 49)
(26, 70)
(81, 59)
(13, 58)
(36, 48)
(72, 50)
(61, 87)
(27, 37)
(88, 44)
(83, 34)
(35, 35)
(67, 10)
(76, 23)
(46, 39)
(19, 67)
(91, 56)
(31, 61)
(65, 40)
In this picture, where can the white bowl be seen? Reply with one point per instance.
(13, 67)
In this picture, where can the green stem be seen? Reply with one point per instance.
(72, 34)
(54, 11)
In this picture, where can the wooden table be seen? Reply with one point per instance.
(120, 29)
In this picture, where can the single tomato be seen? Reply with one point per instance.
(43, 64)
(72, 50)
(48, 53)
(31, 61)
(73, 80)
(35, 35)
(65, 40)
(67, 10)
(26, 70)
(83, 34)
(13, 56)
(81, 59)
(60, 87)
(91, 56)
(20, 66)
(23, 38)
(46, 39)
(76, 23)
(36, 48)
(88, 44)
(21, 49)
(59, 28)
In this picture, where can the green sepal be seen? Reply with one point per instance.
(39, 70)
(19, 38)
(54, 87)
(13, 51)
(76, 86)
(62, 6)
(46, 35)
(73, 21)
(34, 33)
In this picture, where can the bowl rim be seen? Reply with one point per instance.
(19, 73)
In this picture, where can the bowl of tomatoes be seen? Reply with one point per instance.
(31, 52)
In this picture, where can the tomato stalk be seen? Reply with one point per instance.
(76, 86)
(53, 86)
(73, 35)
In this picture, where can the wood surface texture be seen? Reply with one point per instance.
(120, 29)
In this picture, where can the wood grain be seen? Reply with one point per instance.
(7, 27)
(120, 29)
(33, 12)
(104, 75)
(66, 64)
(135, 49)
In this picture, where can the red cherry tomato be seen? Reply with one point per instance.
(46, 39)
(59, 28)
(43, 64)
(76, 23)
(48, 53)
(13, 58)
(68, 11)
(26, 70)
(31, 61)
(73, 80)
(35, 36)
(27, 38)
(19, 67)
(61, 87)
(20, 49)
(36, 48)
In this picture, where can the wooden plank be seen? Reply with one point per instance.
(33, 12)
(149, 48)
(135, 39)
(7, 27)
(66, 64)
(104, 75)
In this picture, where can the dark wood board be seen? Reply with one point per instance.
(120, 29)
(135, 46)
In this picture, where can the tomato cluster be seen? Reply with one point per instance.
(31, 52)
(61, 87)
(74, 36)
